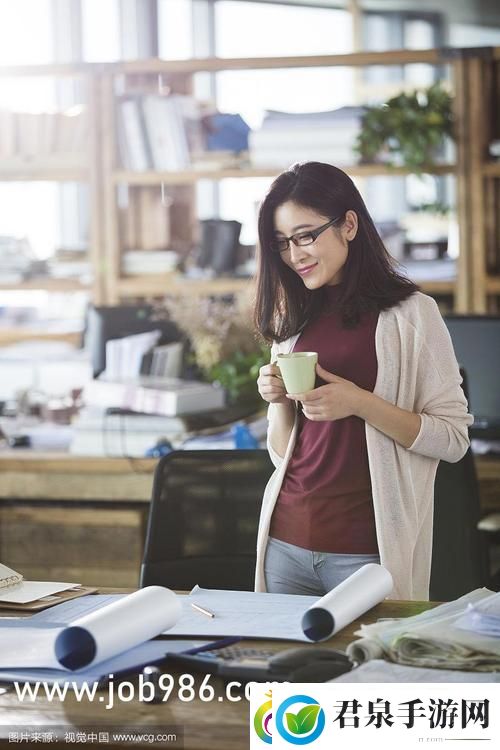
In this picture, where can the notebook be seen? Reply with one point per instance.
(16, 593)
(8, 577)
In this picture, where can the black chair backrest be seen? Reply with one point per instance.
(458, 557)
(203, 519)
(459, 560)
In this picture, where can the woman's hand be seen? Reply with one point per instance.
(335, 400)
(270, 385)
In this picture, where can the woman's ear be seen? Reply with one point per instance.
(350, 225)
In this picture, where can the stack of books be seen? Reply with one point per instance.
(168, 397)
(287, 137)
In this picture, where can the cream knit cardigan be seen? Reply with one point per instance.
(417, 371)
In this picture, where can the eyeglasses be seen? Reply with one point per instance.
(281, 244)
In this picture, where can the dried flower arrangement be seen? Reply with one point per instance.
(224, 346)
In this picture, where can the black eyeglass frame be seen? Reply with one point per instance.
(313, 233)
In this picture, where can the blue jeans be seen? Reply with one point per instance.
(293, 570)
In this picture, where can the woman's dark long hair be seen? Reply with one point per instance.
(370, 281)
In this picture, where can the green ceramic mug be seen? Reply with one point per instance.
(298, 370)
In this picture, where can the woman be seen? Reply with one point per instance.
(356, 457)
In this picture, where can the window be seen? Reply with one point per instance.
(175, 39)
(260, 30)
(100, 30)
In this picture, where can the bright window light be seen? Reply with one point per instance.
(100, 30)
(28, 209)
(259, 30)
(175, 38)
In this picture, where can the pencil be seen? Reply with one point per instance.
(202, 610)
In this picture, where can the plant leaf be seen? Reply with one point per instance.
(307, 717)
(292, 723)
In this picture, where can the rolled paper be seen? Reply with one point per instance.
(360, 592)
(117, 627)
(363, 650)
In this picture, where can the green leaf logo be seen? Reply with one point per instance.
(304, 721)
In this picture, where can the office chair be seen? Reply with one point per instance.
(459, 559)
(203, 520)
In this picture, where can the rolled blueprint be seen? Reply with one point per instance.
(350, 599)
(117, 627)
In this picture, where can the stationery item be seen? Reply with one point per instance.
(16, 592)
(202, 610)
(8, 577)
(93, 638)
(346, 602)
(45, 602)
(434, 638)
(298, 370)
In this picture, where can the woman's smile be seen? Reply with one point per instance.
(306, 269)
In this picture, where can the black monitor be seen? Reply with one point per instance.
(476, 340)
(106, 323)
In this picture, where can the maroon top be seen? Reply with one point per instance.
(325, 502)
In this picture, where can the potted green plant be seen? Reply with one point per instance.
(408, 130)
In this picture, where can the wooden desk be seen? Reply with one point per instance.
(79, 518)
(216, 725)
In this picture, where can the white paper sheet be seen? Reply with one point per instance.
(260, 615)
(242, 613)
(384, 671)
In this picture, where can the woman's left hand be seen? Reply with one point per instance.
(335, 400)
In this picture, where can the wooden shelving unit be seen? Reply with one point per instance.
(475, 80)
(179, 75)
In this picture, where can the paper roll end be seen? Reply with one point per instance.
(318, 624)
(75, 648)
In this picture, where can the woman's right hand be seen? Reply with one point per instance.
(270, 385)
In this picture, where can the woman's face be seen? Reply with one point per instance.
(321, 262)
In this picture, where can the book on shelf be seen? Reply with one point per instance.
(167, 396)
(132, 142)
(159, 132)
(39, 136)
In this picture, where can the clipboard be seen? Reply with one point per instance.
(48, 601)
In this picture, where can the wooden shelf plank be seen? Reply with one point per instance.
(192, 176)
(49, 285)
(26, 170)
(137, 286)
(214, 64)
(15, 335)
